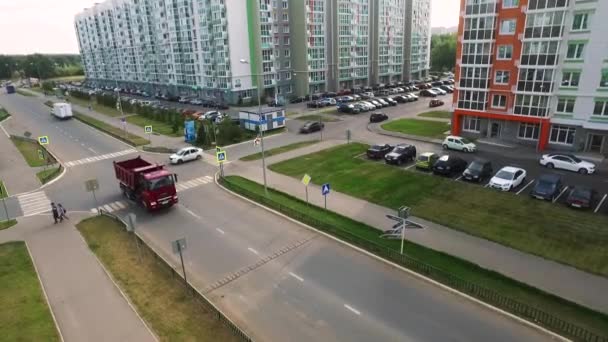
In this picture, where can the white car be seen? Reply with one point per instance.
(369, 105)
(453, 142)
(439, 91)
(508, 178)
(567, 162)
(186, 154)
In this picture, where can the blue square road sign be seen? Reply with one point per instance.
(325, 188)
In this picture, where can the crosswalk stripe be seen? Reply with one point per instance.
(34, 203)
(31, 194)
(94, 210)
(209, 177)
(107, 208)
(114, 206)
(99, 157)
(120, 205)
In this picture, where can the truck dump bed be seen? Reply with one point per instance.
(127, 171)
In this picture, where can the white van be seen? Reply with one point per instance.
(62, 110)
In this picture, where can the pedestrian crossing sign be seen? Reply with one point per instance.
(148, 129)
(43, 140)
(220, 156)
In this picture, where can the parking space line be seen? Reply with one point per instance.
(253, 251)
(221, 231)
(457, 179)
(600, 204)
(296, 276)
(409, 167)
(356, 312)
(524, 188)
(560, 194)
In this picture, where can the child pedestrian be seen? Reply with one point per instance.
(62, 212)
(55, 212)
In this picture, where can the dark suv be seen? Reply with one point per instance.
(548, 187)
(378, 151)
(378, 117)
(312, 126)
(478, 170)
(401, 153)
(449, 165)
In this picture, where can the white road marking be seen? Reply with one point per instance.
(114, 206)
(253, 251)
(5, 132)
(209, 178)
(457, 179)
(192, 213)
(107, 208)
(352, 309)
(409, 167)
(34, 203)
(560, 194)
(487, 185)
(221, 231)
(524, 188)
(99, 157)
(296, 276)
(120, 205)
(600, 204)
(94, 210)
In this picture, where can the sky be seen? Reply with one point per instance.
(47, 26)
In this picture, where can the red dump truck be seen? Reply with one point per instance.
(149, 184)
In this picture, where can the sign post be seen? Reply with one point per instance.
(91, 185)
(130, 219)
(148, 131)
(348, 135)
(221, 157)
(179, 246)
(123, 121)
(263, 122)
(306, 180)
(43, 140)
(325, 188)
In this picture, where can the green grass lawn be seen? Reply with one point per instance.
(3, 114)
(166, 306)
(322, 118)
(549, 230)
(279, 150)
(76, 78)
(366, 237)
(109, 111)
(49, 174)
(7, 224)
(114, 131)
(157, 126)
(3, 193)
(24, 313)
(29, 150)
(24, 92)
(441, 114)
(425, 128)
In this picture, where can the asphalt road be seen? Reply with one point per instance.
(319, 290)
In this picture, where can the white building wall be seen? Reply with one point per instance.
(238, 38)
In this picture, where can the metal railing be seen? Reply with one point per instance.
(523, 310)
(197, 296)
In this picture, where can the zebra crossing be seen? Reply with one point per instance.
(98, 158)
(119, 205)
(34, 203)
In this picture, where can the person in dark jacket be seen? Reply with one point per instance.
(62, 212)
(55, 212)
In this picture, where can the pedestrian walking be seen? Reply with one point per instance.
(62, 212)
(55, 212)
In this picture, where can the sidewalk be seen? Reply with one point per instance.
(85, 302)
(564, 281)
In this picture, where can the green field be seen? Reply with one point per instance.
(424, 128)
(442, 264)
(29, 150)
(440, 114)
(157, 126)
(279, 150)
(319, 117)
(24, 313)
(114, 131)
(167, 307)
(552, 231)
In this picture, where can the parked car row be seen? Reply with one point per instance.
(375, 103)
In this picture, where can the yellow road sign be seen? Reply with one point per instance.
(221, 156)
(43, 140)
(306, 179)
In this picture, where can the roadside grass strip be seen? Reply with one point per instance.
(3, 114)
(542, 228)
(488, 286)
(114, 131)
(440, 114)
(278, 150)
(158, 126)
(424, 128)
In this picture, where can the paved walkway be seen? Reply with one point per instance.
(85, 302)
(564, 281)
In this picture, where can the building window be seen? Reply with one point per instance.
(571, 78)
(580, 22)
(286, 53)
(601, 107)
(285, 4)
(505, 51)
(604, 79)
(501, 77)
(562, 135)
(565, 105)
(286, 40)
(575, 50)
(499, 101)
(510, 3)
(508, 26)
(471, 124)
(528, 131)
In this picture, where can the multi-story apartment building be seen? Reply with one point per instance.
(533, 72)
(228, 49)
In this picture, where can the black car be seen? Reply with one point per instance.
(312, 126)
(401, 99)
(478, 170)
(378, 151)
(548, 187)
(378, 117)
(400, 154)
(447, 88)
(390, 101)
(298, 99)
(581, 197)
(449, 165)
(346, 108)
(427, 93)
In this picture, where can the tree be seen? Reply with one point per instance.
(443, 52)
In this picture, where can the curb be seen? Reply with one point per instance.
(390, 263)
(46, 298)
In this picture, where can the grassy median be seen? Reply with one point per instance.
(116, 132)
(49, 174)
(24, 313)
(439, 114)
(29, 149)
(549, 230)
(3, 114)
(367, 236)
(157, 126)
(424, 128)
(167, 307)
(279, 150)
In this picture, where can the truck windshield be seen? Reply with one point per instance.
(158, 183)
